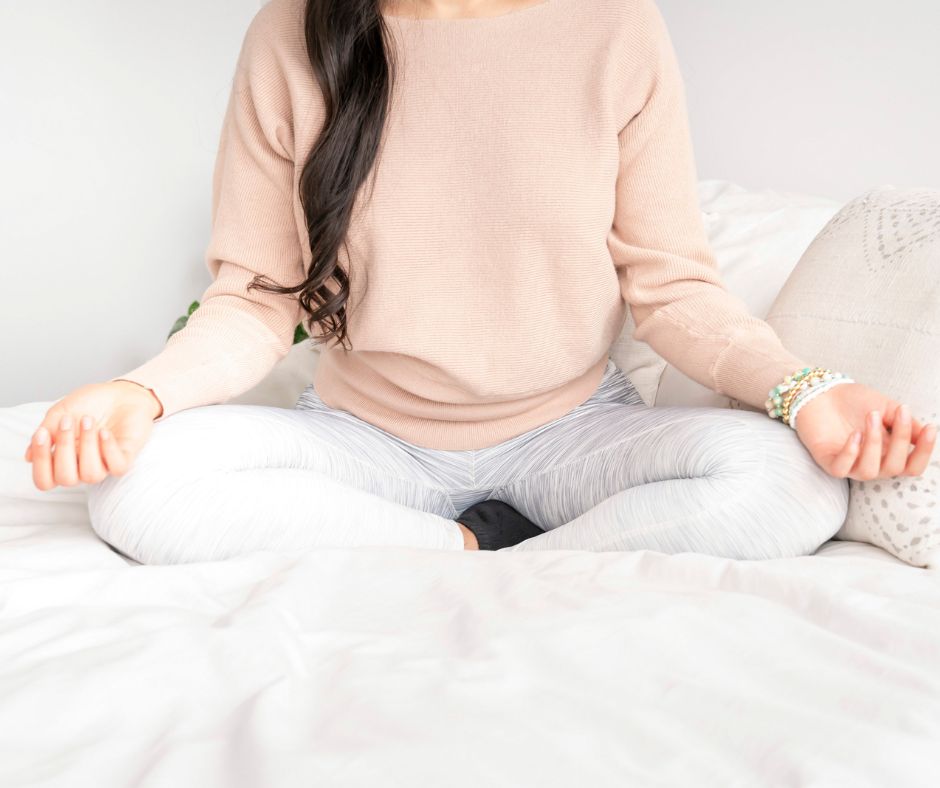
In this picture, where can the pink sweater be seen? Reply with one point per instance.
(537, 177)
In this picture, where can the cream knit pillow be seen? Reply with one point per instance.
(865, 299)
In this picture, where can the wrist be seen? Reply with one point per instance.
(153, 401)
(785, 399)
(817, 393)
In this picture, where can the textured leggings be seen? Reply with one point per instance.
(217, 481)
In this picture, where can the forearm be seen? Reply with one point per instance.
(711, 337)
(667, 269)
(220, 353)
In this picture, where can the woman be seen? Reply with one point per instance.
(460, 200)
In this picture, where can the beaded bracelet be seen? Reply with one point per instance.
(814, 377)
(775, 405)
(807, 395)
(787, 397)
(809, 388)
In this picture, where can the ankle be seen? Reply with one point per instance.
(469, 538)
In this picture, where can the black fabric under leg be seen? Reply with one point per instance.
(496, 524)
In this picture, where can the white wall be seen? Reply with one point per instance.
(109, 123)
(111, 111)
(830, 97)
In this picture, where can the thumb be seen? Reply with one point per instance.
(840, 465)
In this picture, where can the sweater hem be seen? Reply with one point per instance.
(333, 388)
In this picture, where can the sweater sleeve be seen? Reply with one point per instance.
(667, 270)
(236, 335)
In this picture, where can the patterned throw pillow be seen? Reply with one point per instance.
(865, 299)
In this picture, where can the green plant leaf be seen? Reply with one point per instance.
(300, 333)
(180, 323)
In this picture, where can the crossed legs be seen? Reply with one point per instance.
(218, 481)
(625, 476)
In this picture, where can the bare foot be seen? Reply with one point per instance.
(469, 538)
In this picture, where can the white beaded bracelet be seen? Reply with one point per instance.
(805, 396)
(782, 397)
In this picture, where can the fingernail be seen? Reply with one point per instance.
(65, 423)
(874, 417)
(905, 414)
(86, 422)
(41, 435)
(856, 437)
(105, 434)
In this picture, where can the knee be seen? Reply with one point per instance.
(789, 505)
(798, 502)
(164, 509)
(117, 514)
(141, 513)
(121, 515)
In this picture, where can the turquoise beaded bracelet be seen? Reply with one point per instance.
(807, 383)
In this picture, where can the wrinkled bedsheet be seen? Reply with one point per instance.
(408, 667)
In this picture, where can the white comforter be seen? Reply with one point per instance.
(406, 667)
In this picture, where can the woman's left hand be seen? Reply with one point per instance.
(827, 423)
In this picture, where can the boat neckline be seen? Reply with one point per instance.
(470, 20)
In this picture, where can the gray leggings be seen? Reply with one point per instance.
(218, 481)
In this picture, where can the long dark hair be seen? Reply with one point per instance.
(346, 46)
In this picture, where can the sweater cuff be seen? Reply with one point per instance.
(205, 384)
(747, 374)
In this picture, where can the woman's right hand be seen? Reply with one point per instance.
(96, 430)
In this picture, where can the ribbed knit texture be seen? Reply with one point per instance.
(536, 177)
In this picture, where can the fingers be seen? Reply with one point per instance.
(918, 459)
(40, 450)
(116, 460)
(869, 458)
(64, 459)
(65, 453)
(899, 443)
(885, 459)
(892, 411)
(842, 463)
(923, 436)
(90, 467)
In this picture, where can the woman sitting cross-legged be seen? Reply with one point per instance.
(461, 219)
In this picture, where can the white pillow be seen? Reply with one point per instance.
(865, 300)
(757, 237)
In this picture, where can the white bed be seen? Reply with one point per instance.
(406, 667)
